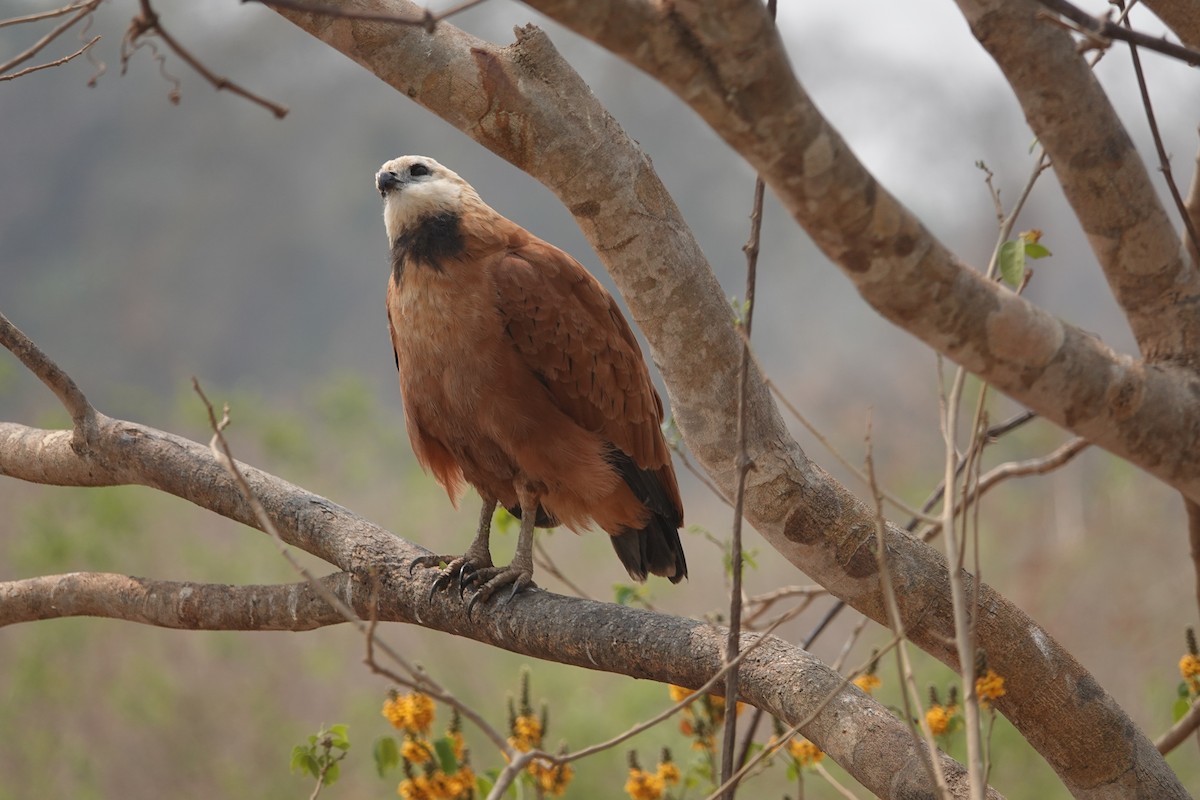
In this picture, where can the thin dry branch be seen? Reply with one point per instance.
(4, 23)
(56, 63)
(1180, 731)
(1102, 29)
(65, 389)
(84, 10)
(148, 22)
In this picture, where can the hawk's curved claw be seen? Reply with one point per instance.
(497, 579)
(460, 568)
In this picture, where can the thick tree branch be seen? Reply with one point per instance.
(171, 604)
(1101, 173)
(857, 732)
(526, 104)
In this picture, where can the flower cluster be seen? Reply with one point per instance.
(1189, 667)
(526, 731)
(989, 687)
(412, 712)
(432, 770)
(438, 785)
(643, 785)
(943, 719)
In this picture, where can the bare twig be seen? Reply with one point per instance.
(1180, 731)
(65, 389)
(911, 695)
(4, 23)
(48, 65)
(427, 20)
(147, 22)
(964, 630)
(1164, 161)
(84, 10)
(744, 465)
(1102, 29)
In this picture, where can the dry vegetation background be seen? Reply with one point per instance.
(142, 243)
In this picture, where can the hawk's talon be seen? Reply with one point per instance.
(460, 568)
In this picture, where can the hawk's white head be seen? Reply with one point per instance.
(416, 188)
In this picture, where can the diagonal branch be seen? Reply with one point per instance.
(525, 103)
(65, 389)
(171, 604)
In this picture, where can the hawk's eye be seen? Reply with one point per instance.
(417, 170)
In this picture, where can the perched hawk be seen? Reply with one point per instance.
(521, 377)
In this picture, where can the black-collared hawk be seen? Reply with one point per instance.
(521, 377)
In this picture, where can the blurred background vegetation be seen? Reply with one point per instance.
(142, 243)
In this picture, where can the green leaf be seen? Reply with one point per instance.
(338, 737)
(299, 753)
(333, 773)
(1181, 708)
(387, 755)
(1035, 250)
(793, 773)
(445, 754)
(623, 593)
(1012, 262)
(309, 764)
(1182, 690)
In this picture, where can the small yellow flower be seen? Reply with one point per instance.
(644, 786)
(416, 751)
(989, 687)
(805, 752)
(705, 744)
(456, 741)
(527, 733)
(938, 718)
(1032, 236)
(1189, 668)
(416, 788)
(677, 692)
(461, 783)
(551, 779)
(668, 773)
(868, 682)
(409, 712)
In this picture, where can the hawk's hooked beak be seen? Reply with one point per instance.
(385, 181)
